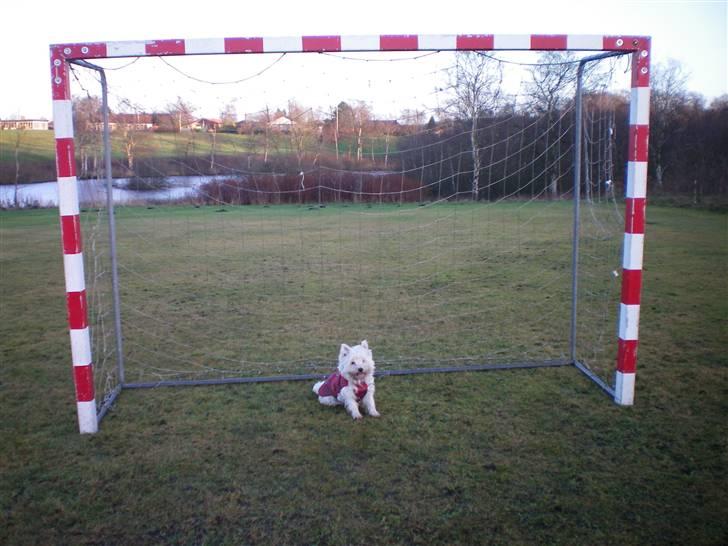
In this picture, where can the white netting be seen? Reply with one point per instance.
(333, 200)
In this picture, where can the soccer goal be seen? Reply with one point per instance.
(249, 204)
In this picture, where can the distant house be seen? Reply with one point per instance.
(281, 123)
(209, 125)
(385, 126)
(135, 122)
(164, 122)
(26, 124)
(245, 127)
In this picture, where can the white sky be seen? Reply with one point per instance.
(691, 31)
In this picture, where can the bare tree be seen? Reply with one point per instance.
(552, 81)
(266, 117)
(303, 130)
(130, 120)
(549, 89)
(388, 130)
(345, 124)
(413, 116)
(87, 123)
(229, 116)
(668, 95)
(475, 84)
(361, 116)
(336, 131)
(18, 140)
(213, 148)
(182, 114)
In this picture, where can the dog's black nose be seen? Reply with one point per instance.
(361, 369)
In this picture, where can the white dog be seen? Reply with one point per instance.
(352, 384)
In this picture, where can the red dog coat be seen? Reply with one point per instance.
(333, 385)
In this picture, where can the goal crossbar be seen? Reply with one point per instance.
(635, 187)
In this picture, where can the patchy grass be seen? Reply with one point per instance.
(517, 457)
(186, 153)
(275, 290)
(36, 156)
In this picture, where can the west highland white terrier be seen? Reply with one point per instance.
(352, 384)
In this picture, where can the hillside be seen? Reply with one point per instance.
(155, 154)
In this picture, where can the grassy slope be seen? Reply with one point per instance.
(35, 155)
(37, 152)
(513, 457)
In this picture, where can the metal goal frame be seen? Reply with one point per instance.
(62, 55)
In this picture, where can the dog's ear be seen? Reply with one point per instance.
(365, 345)
(344, 351)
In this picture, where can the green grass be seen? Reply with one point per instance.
(39, 145)
(522, 457)
(161, 152)
(36, 155)
(290, 283)
(37, 150)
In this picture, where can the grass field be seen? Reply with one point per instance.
(36, 153)
(518, 457)
(254, 288)
(163, 152)
(39, 145)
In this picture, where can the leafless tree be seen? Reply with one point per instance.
(213, 148)
(413, 116)
(388, 130)
(475, 86)
(551, 81)
(667, 96)
(128, 131)
(344, 122)
(229, 116)
(182, 114)
(266, 121)
(87, 122)
(550, 87)
(336, 131)
(361, 116)
(303, 130)
(19, 133)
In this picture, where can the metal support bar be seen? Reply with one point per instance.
(480, 367)
(591, 375)
(313, 377)
(112, 221)
(577, 209)
(577, 195)
(108, 402)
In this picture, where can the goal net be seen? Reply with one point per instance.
(270, 207)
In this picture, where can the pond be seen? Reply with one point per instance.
(181, 188)
(93, 192)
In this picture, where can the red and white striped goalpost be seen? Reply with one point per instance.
(634, 227)
(636, 182)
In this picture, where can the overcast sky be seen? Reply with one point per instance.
(690, 31)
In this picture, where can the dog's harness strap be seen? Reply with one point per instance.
(361, 391)
(335, 382)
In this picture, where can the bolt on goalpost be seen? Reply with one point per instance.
(69, 209)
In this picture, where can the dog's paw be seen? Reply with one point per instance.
(375, 413)
(356, 416)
